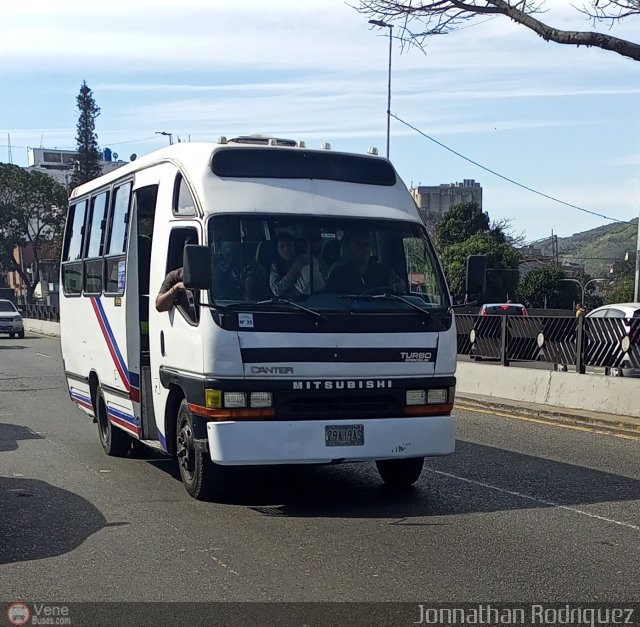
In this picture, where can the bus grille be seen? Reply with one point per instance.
(339, 407)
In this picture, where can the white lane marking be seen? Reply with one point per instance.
(527, 497)
(43, 355)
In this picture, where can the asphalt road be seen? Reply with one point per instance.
(521, 512)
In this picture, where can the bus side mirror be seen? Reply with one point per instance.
(476, 275)
(197, 267)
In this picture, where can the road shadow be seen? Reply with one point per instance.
(5, 347)
(475, 479)
(39, 520)
(10, 435)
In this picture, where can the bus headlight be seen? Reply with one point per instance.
(416, 397)
(235, 399)
(437, 397)
(261, 399)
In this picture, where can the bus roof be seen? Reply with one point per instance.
(372, 197)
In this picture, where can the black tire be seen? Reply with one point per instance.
(400, 473)
(21, 335)
(200, 476)
(115, 442)
(12, 335)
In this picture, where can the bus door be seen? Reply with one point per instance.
(144, 207)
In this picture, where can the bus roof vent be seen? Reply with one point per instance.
(326, 146)
(373, 150)
(262, 140)
(222, 139)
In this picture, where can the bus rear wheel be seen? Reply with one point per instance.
(400, 473)
(199, 474)
(115, 442)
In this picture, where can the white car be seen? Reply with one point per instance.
(620, 310)
(10, 319)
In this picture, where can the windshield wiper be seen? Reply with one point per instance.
(388, 297)
(292, 304)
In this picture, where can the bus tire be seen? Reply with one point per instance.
(199, 474)
(115, 442)
(400, 473)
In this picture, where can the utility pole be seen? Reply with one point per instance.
(636, 289)
(10, 156)
(390, 27)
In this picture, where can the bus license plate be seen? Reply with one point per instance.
(344, 435)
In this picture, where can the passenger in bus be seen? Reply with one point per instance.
(237, 278)
(290, 274)
(172, 292)
(358, 272)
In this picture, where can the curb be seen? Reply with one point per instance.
(612, 424)
(42, 327)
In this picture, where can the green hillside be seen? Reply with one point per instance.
(596, 248)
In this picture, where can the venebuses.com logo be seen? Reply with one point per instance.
(18, 614)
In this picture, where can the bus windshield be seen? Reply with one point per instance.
(327, 263)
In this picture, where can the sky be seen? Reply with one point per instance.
(561, 120)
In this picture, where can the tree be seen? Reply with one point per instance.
(620, 291)
(417, 21)
(459, 223)
(32, 211)
(502, 266)
(466, 230)
(87, 165)
(545, 288)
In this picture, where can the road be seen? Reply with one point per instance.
(521, 512)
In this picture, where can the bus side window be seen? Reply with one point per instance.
(183, 203)
(178, 238)
(72, 266)
(116, 238)
(95, 244)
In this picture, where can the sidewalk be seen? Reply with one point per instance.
(41, 327)
(609, 423)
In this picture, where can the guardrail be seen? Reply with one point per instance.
(610, 343)
(40, 312)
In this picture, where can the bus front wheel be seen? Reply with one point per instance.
(115, 442)
(400, 473)
(198, 473)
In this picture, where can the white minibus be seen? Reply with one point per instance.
(314, 327)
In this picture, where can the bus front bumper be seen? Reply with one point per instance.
(306, 441)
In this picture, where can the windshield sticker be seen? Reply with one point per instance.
(245, 320)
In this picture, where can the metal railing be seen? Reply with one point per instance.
(39, 312)
(579, 342)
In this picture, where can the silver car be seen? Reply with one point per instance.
(10, 319)
(619, 310)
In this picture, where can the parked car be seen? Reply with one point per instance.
(619, 310)
(503, 309)
(10, 319)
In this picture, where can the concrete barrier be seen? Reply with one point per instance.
(43, 327)
(569, 390)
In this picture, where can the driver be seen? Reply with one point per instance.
(358, 272)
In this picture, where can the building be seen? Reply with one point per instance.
(435, 200)
(59, 163)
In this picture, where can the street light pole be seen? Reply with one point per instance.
(583, 286)
(169, 135)
(390, 27)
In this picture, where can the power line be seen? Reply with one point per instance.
(129, 141)
(506, 178)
